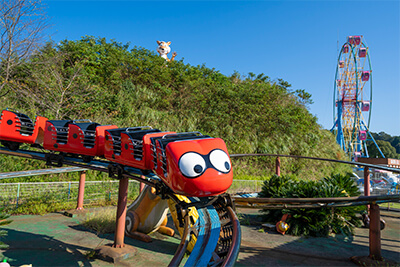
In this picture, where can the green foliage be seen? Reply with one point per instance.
(390, 145)
(111, 84)
(388, 150)
(319, 221)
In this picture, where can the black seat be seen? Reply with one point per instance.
(116, 135)
(164, 141)
(179, 137)
(137, 141)
(89, 131)
(27, 125)
(61, 130)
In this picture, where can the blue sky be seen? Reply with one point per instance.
(293, 40)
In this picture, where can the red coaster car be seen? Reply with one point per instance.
(132, 146)
(84, 138)
(192, 164)
(16, 128)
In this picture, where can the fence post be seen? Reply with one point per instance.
(81, 190)
(375, 233)
(278, 166)
(69, 190)
(18, 188)
(366, 181)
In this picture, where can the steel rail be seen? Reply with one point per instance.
(185, 239)
(236, 237)
(397, 170)
(298, 203)
(7, 175)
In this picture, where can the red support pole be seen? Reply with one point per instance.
(366, 181)
(278, 166)
(375, 233)
(81, 190)
(121, 213)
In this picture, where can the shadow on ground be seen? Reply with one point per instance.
(57, 240)
(42, 250)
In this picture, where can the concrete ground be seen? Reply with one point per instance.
(273, 249)
(58, 240)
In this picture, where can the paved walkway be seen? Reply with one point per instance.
(273, 249)
(58, 240)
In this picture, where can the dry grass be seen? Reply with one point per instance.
(101, 221)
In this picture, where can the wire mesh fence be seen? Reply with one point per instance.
(16, 194)
(245, 186)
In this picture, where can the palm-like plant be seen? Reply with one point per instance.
(314, 222)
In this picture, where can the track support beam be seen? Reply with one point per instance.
(121, 213)
(81, 190)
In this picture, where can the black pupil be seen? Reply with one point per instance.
(198, 169)
(227, 166)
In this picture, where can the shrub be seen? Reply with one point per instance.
(317, 221)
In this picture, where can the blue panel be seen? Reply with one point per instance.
(206, 242)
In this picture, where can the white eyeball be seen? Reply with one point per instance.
(220, 160)
(192, 164)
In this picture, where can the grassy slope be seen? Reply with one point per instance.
(253, 114)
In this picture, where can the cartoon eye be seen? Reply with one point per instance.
(220, 160)
(192, 164)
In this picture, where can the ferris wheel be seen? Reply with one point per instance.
(353, 97)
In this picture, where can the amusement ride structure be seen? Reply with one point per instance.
(187, 173)
(353, 98)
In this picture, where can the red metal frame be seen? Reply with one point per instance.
(74, 137)
(126, 155)
(11, 126)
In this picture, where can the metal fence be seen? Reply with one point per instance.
(15, 194)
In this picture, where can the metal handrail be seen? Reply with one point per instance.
(304, 203)
(396, 170)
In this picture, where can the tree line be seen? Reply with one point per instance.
(389, 145)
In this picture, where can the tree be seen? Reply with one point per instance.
(22, 23)
(387, 149)
(394, 141)
(57, 85)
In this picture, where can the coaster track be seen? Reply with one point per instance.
(217, 230)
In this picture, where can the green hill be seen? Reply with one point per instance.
(109, 83)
